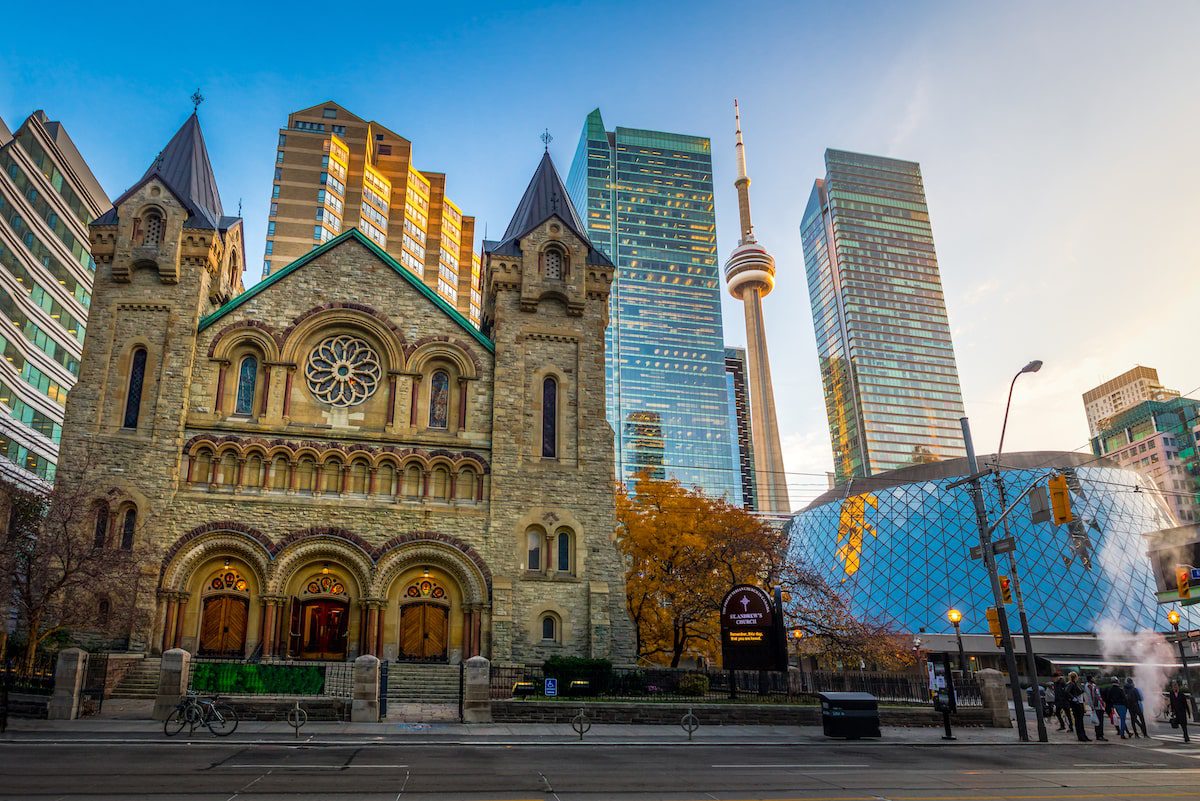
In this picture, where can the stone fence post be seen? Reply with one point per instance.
(172, 681)
(993, 689)
(364, 706)
(68, 684)
(477, 691)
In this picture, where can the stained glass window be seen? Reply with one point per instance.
(101, 533)
(564, 551)
(533, 539)
(549, 418)
(127, 530)
(439, 400)
(137, 378)
(247, 378)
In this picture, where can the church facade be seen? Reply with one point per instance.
(335, 462)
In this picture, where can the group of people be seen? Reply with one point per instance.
(1072, 700)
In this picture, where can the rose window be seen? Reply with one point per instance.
(343, 371)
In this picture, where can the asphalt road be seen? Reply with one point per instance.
(838, 771)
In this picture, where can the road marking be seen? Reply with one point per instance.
(283, 765)
(751, 767)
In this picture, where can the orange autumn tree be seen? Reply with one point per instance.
(683, 552)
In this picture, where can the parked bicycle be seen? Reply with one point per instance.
(193, 711)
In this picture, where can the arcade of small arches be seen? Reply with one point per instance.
(324, 597)
(310, 469)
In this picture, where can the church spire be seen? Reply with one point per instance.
(743, 180)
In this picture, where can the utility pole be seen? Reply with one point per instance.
(1030, 658)
(989, 561)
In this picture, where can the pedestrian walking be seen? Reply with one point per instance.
(1114, 698)
(1095, 700)
(1134, 701)
(1179, 709)
(1078, 696)
(1062, 704)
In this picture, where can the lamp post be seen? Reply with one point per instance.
(1030, 658)
(1173, 618)
(955, 617)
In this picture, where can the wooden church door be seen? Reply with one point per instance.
(424, 631)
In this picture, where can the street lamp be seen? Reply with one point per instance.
(1030, 658)
(956, 618)
(1173, 616)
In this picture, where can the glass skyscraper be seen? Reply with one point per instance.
(647, 200)
(887, 363)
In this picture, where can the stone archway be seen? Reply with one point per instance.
(320, 585)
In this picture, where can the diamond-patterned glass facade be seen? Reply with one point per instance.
(900, 552)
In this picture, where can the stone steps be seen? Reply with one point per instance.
(410, 683)
(141, 682)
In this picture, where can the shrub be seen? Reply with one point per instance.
(694, 684)
(597, 672)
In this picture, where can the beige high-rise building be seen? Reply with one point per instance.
(334, 170)
(1123, 392)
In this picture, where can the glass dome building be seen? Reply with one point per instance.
(898, 545)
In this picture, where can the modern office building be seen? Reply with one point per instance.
(750, 276)
(334, 170)
(647, 202)
(1157, 438)
(887, 363)
(896, 546)
(740, 432)
(1126, 390)
(48, 196)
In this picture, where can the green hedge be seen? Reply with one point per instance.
(236, 678)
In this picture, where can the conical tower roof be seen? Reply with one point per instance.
(184, 167)
(545, 197)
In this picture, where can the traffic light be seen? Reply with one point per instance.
(993, 619)
(1182, 580)
(1060, 500)
(1006, 589)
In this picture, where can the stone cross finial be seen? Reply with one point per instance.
(197, 99)
(546, 138)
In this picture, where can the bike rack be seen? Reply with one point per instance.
(689, 723)
(297, 717)
(581, 724)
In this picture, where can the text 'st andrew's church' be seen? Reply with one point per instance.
(336, 462)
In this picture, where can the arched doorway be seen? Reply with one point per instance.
(224, 616)
(320, 620)
(424, 622)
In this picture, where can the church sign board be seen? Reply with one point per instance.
(748, 629)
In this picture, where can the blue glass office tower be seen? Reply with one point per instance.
(647, 200)
(887, 363)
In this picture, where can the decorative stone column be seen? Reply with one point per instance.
(168, 632)
(180, 612)
(266, 634)
(993, 690)
(477, 695)
(172, 681)
(68, 684)
(364, 704)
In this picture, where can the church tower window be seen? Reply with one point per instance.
(101, 530)
(137, 378)
(247, 379)
(549, 417)
(152, 228)
(554, 264)
(127, 529)
(439, 400)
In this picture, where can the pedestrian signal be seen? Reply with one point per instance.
(993, 619)
(1060, 500)
(1006, 589)
(1183, 580)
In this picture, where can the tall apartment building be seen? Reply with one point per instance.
(1118, 394)
(647, 202)
(740, 434)
(334, 170)
(891, 385)
(48, 196)
(1158, 438)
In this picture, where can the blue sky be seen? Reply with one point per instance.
(1056, 141)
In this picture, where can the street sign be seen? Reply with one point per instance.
(1194, 573)
(1006, 545)
(551, 687)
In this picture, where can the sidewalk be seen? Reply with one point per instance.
(97, 730)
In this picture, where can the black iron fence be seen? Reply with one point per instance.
(672, 685)
(35, 680)
(281, 679)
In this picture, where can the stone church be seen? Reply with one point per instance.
(335, 462)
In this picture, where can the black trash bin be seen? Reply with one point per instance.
(849, 715)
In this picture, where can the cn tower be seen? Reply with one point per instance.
(750, 275)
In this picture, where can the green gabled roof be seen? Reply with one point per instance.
(362, 238)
